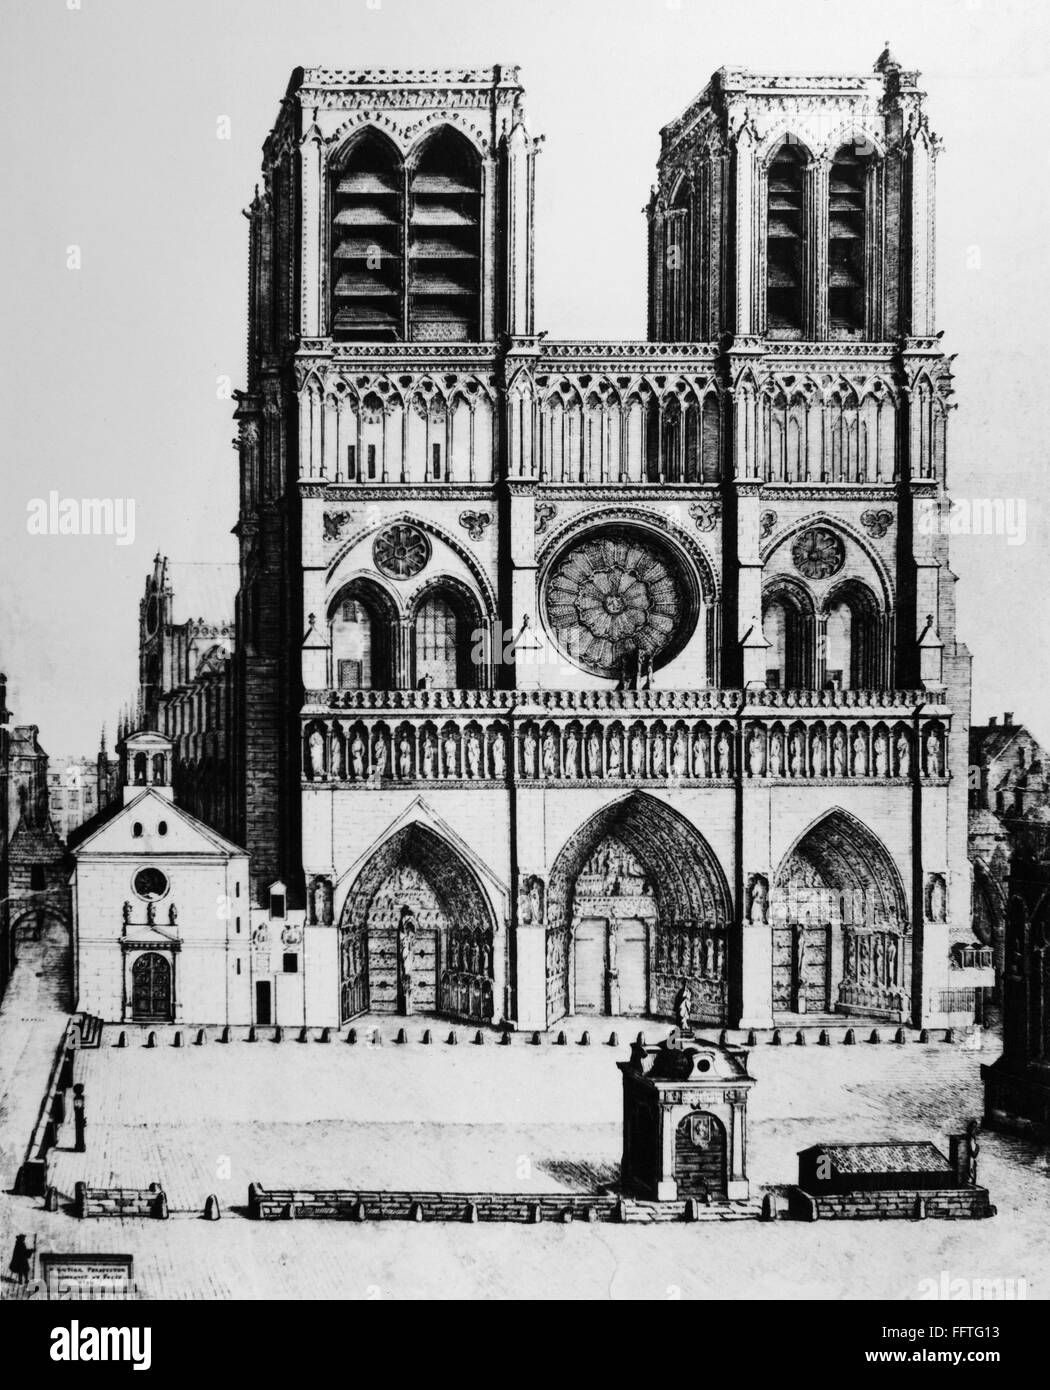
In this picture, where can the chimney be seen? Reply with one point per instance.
(1008, 719)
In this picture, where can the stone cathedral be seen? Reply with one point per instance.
(602, 677)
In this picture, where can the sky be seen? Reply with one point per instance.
(124, 253)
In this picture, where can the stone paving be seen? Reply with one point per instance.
(540, 1119)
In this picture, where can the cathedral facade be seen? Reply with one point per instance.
(602, 677)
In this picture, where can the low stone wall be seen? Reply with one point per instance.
(907, 1204)
(121, 1201)
(271, 1204)
(32, 1176)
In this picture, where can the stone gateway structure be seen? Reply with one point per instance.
(602, 677)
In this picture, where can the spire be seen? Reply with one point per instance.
(886, 62)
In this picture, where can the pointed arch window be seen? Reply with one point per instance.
(785, 213)
(362, 627)
(847, 242)
(444, 241)
(367, 205)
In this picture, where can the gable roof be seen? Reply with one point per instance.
(185, 833)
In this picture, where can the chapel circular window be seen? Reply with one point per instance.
(150, 883)
(618, 597)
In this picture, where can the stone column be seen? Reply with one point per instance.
(738, 1188)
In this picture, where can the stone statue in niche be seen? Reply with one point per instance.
(357, 755)
(724, 756)
(680, 754)
(319, 903)
(838, 754)
(550, 755)
(683, 1007)
(615, 756)
(316, 745)
(934, 760)
(474, 754)
(860, 755)
(338, 756)
(594, 755)
(657, 756)
(882, 755)
(798, 758)
(776, 755)
(528, 752)
(406, 936)
(530, 901)
(759, 899)
(428, 755)
(173, 916)
(800, 969)
(903, 755)
(379, 756)
(820, 755)
(572, 753)
(700, 751)
(404, 757)
(891, 960)
(637, 754)
(754, 754)
(451, 755)
(498, 755)
(125, 913)
(876, 959)
(151, 913)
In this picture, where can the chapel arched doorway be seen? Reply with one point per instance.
(151, 989)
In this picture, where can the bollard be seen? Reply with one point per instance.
(402, 1036)
(825, 1038)
(769, 1207)
(452, 1039)
(416, 1212)
(160, 1206)
(800, 1038)
(211, 1209)
(377, 1038)
(850, 1037)
(151, 1040)
(251, 1034)
(640, 1039)
(949, 1035)
(592, 1215)
(776, 1039)
(919, 1209)
(614, 1040)
(122, 1040)
(619, 1214)
(924, 1036)
(566, 1217)
(202, 1037)
(428, 1037)
(560, 1040)
(692, 1210)
(900, 1036)
(536, 1040)
(278, 1034)
(470, 1214)
(326, 1035)
(224, 1036)
(479, 1038)
(504, 1040)
(534, 1214)
(178, 1038)
(359, 1212)
(51, 1199)
(351, 1037)
(875, 1036)
(752, 1038)
(304, 1034)
(288, 1211)
(723, 1037)
(585, 1041)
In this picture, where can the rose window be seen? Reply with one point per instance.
(612, 596)
(400, 551)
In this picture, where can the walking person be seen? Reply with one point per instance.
(20, 1261)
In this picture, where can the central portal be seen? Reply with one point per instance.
(614, 916)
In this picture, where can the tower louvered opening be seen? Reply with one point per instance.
(784, 244)
(846, 237)
(444, 241)
(367, 240)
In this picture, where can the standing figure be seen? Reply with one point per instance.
(680, 754)
(759, 899)
(776, 755)
(882, 755)
(357, 755)
(724, 751)
(820, 755)
(572, 749)
(428, 755)
(797, 756)
(683, 1006)
(550, 755)
(700, 759)
(903, 755)
(615, 757)
(316, 742)
(406, 935)
(404, 749)
(594, 755)
(860, 755)
(838, 754)
(498, 756)
(934, 765)
(754, 754)
(20, 1261)
(529, 752)
(657, 756)
(474, 754)
(451, 755)
(338, 756)
(637, 754)
(379, 757)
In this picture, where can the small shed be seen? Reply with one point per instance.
(685, 1120)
